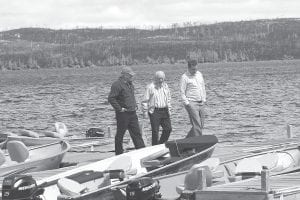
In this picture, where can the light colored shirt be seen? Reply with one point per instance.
(192, 87)
(156, 97)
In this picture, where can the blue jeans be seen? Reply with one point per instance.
(196, 114)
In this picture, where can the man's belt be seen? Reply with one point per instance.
(165, 108)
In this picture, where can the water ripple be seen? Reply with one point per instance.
(245, 103)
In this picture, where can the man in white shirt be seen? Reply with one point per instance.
(157, 104)
(192, 89)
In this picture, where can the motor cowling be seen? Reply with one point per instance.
(143, 188)
(94, 132)
(20, 187)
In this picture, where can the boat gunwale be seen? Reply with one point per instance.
(125, 182)
(58, 153)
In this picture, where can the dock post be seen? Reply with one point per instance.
(202, 178)
(108, 131)
(289, 131)
(265, 179)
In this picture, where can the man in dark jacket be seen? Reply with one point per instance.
(122, 99)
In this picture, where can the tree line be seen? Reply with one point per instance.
(33, 48)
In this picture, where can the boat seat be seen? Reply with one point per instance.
(121, 168)
(29, 133)
(157, 159)
(191, 185)
(155, 163)
(61, 129)
(285, 161)
(269, 160)
(17, 151)
(2, 158)
(85, 176)
(52, 134)
(247, 168)
(70, 187)
(192, 179)
(230, 168)
(248, 165)
(91, 178)
(212, 163)
(8, 133)
(123, 162)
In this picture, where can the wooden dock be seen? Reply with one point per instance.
(281, 187)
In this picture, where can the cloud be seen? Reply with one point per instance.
(139, 13)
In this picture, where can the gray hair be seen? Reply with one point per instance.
(160, 74)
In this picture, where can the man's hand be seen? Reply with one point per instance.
(187, 105)
(145, 115)
(123, 110)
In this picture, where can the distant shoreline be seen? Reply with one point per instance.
(165, 64)
(257, 40)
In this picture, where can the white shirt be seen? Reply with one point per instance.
(192, 87)
(156, 97)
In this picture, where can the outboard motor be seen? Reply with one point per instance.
(143, 189)
(21, 187)
(94, 132)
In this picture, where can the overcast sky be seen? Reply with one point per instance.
(63, 14)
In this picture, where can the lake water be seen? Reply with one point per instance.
(246, 102)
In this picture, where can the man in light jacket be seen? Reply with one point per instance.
(193, 94)
(157, 104)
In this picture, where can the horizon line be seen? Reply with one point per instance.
(149, 27)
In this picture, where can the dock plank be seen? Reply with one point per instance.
(286, 185)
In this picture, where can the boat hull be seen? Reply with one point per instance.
(41, 158)
(109, 192)
(31, 141)
(169, 183)
(112, 192)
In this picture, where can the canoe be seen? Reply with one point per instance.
(280, 161)
(100, 177)
(20, 159)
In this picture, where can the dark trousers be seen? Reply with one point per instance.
(127, 121)
(160, 117)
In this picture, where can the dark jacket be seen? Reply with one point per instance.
(122, 95)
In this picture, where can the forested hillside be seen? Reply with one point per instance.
(221, 42)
